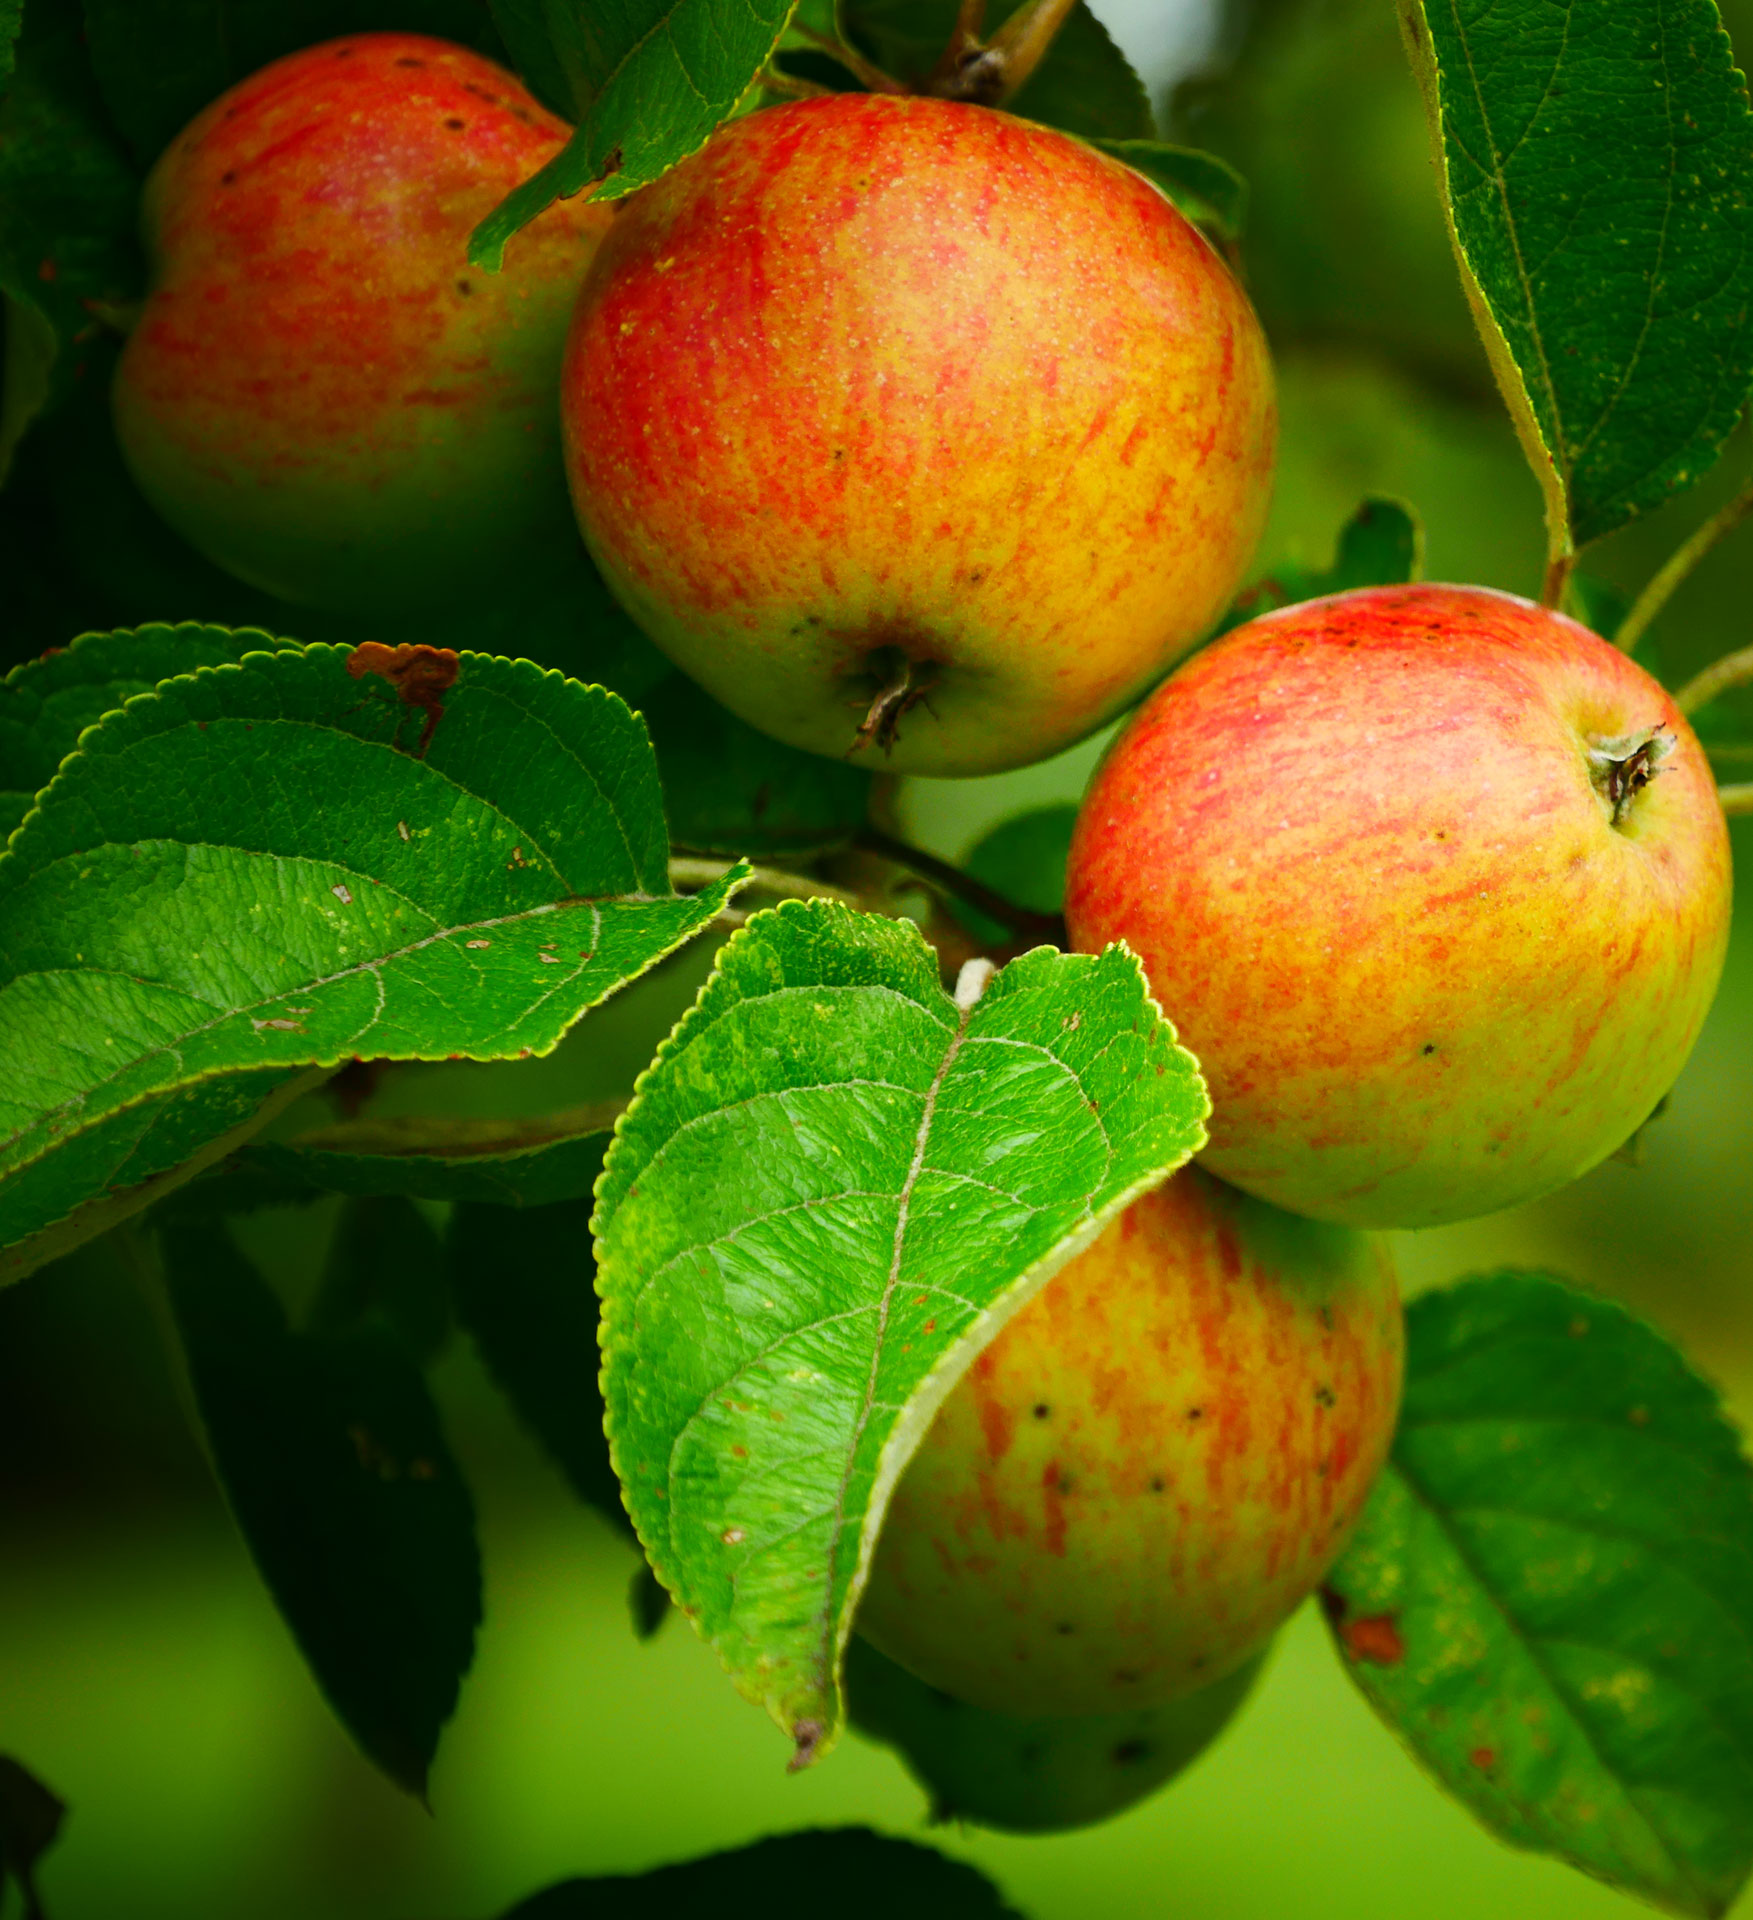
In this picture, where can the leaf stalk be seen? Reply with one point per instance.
(1660, 590)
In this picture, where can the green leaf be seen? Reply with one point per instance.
(1023, 859)
(339, 1478)
(67, 210)
(382, 1274)
(1381, 545)
(869, 1876)
(11, 19)
(833, 1187)
(190, 900)
(729, 789)
(1084, 86)
(522, 1285)
(1551, 1597)
(1597, 164)
(497, 1163)
(1209, 191)
(47, 703)
(30, 1820)
(27, 376)
(652, 79)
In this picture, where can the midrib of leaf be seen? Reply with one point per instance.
(1537, 1659)
(373, 967)
(826, 1618)
(1498, 174)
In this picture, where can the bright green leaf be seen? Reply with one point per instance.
(834, 1186)
(339, 1478)
(1597, 162)
(653, 78)
(47, 703)
(505, 1163)
(1551, 1597)
(254, 868)
(1209, 191)
(871, 1877)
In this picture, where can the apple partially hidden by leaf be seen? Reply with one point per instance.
(1041, 1775)
(912, 429)
(321, 394)
(1150, 1467)
(1434, 882)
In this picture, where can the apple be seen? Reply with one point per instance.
(1040, 1775)
(1433, 881)
(321, 394)
(911, 428)
(1150, 1467)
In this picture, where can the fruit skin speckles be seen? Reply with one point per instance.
(321, 393)
(910, 428)
(1435, 956)
(1188, 1487)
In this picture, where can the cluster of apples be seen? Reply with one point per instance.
(914, 430)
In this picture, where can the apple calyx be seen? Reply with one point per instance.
(1623, 765)
(902, 683)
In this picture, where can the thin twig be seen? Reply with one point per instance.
(1023, 41)
(1732, 670)
(1656, 595)
(1025, 922)
(1736, 799)
(873, 77)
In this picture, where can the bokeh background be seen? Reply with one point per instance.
(144, 1673)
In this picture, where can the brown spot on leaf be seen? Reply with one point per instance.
(419, 673)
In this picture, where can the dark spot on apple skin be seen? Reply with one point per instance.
(1195, 1413)
(1156, 1483)
(228, 177)
(1129, 1752)
(455, 124)
(1065, 1626)
(1042, 1410)
(1325, 1397)
(463, 286)
(408, 60)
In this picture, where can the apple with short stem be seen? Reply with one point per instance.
(1150, 1467)
(321, 394)
(911, 428)
(1433, 881)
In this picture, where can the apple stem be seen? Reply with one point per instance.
(1558, 570)
(1656, 595)
(1736, 799)
(1732, 670)
(908, 684)
(873, 77)
(1046, 928)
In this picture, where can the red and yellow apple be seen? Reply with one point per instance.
(1434, 882)
(907, 425)
(1150, 1467)
(321, 394)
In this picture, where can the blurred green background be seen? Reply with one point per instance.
(147, 1678)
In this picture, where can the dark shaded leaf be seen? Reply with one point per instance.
(864, 1875)
(523, 1284)
(384, 1272)
(342, 1485)
(508, 1163)
(1023, 859)
(1598, 167)
(1551, 1597)
(30, 1820)
(1209, 191)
